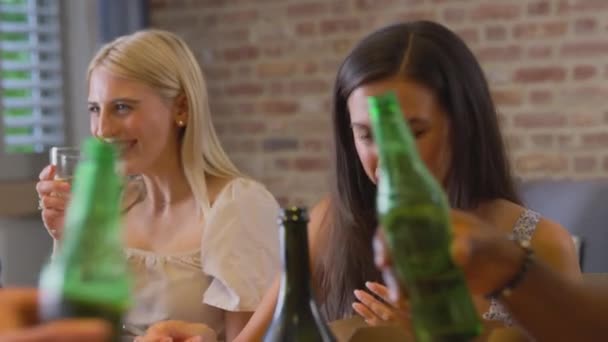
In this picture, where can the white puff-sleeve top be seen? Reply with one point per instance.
(235, 265)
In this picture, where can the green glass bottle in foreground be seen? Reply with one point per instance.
(88, 275)
(296, 316)
(414, 214)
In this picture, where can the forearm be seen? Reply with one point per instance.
(552, 307)
(261, 319)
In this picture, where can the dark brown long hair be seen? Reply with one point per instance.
(479, 170)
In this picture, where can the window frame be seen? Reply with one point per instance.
(79, 41)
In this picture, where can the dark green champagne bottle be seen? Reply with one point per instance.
(88, 275)
(414, 213)
(296, 316)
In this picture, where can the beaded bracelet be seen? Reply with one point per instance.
(507, 289)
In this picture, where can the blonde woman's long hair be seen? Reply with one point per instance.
(163, 61)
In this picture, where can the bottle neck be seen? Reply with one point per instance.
(397, 150)
(295, 281)
(94, 210)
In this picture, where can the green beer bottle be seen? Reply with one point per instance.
(414, 213)
(88, 275)
(296, 316)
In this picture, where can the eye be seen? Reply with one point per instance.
(122, 108)
(419, 133)
(93, 109)
(364, 136)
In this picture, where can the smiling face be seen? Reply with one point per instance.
(427, 120)
(136, 118)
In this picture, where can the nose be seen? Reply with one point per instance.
(375, 164)
(106, 127)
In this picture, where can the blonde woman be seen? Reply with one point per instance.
(201, 239)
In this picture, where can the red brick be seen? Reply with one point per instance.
(311, 164)
(539, 74)
(538, 8)
(217, 73)
(526, 30)
(214, 91)
(306, 9)
(584, 120)
(241, 53)
(279, 107)
(585, 26)
(542, 162)
(238, 35)
(412, 15)
(248, 127)
(240, 146)
(242, 17)
(309, 68)
(470, 35)
(315, 145)
(499, 53)
(282, 164)
(531, 30)
(378, 5)
(595, 139)
(309, 87)
(279, 144)
(584, 72)
(275, 69)
(496, 11)
(507, 97)
(340, 25)
(273, 50)
(605, 163)
(306, 29)
(244, 71)
(454, 14)
(555, 29)
(539, 120)
(544, 140)
(341, 46)
(514, 142)
(538, 97)
(585, 49)
(585, 164)
(566, 6)
(540, 51)
(496, 33)
(565, 141)
(277, 88)
(244, 89)
(340, 6)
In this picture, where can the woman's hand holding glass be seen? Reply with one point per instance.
(53, 195)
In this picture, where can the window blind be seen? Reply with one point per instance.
(31, 97)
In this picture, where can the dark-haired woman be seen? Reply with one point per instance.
(446, 100)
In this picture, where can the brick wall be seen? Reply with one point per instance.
(270, 65)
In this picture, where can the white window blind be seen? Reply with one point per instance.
(31, 97)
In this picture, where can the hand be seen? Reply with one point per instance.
(381, 312)
(53, 198)
(487, 257)
(178, 331)
(18, 322)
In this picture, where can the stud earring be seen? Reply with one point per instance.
(181, 123)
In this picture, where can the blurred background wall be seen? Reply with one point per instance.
(270, 66)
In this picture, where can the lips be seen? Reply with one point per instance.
(121, 145)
